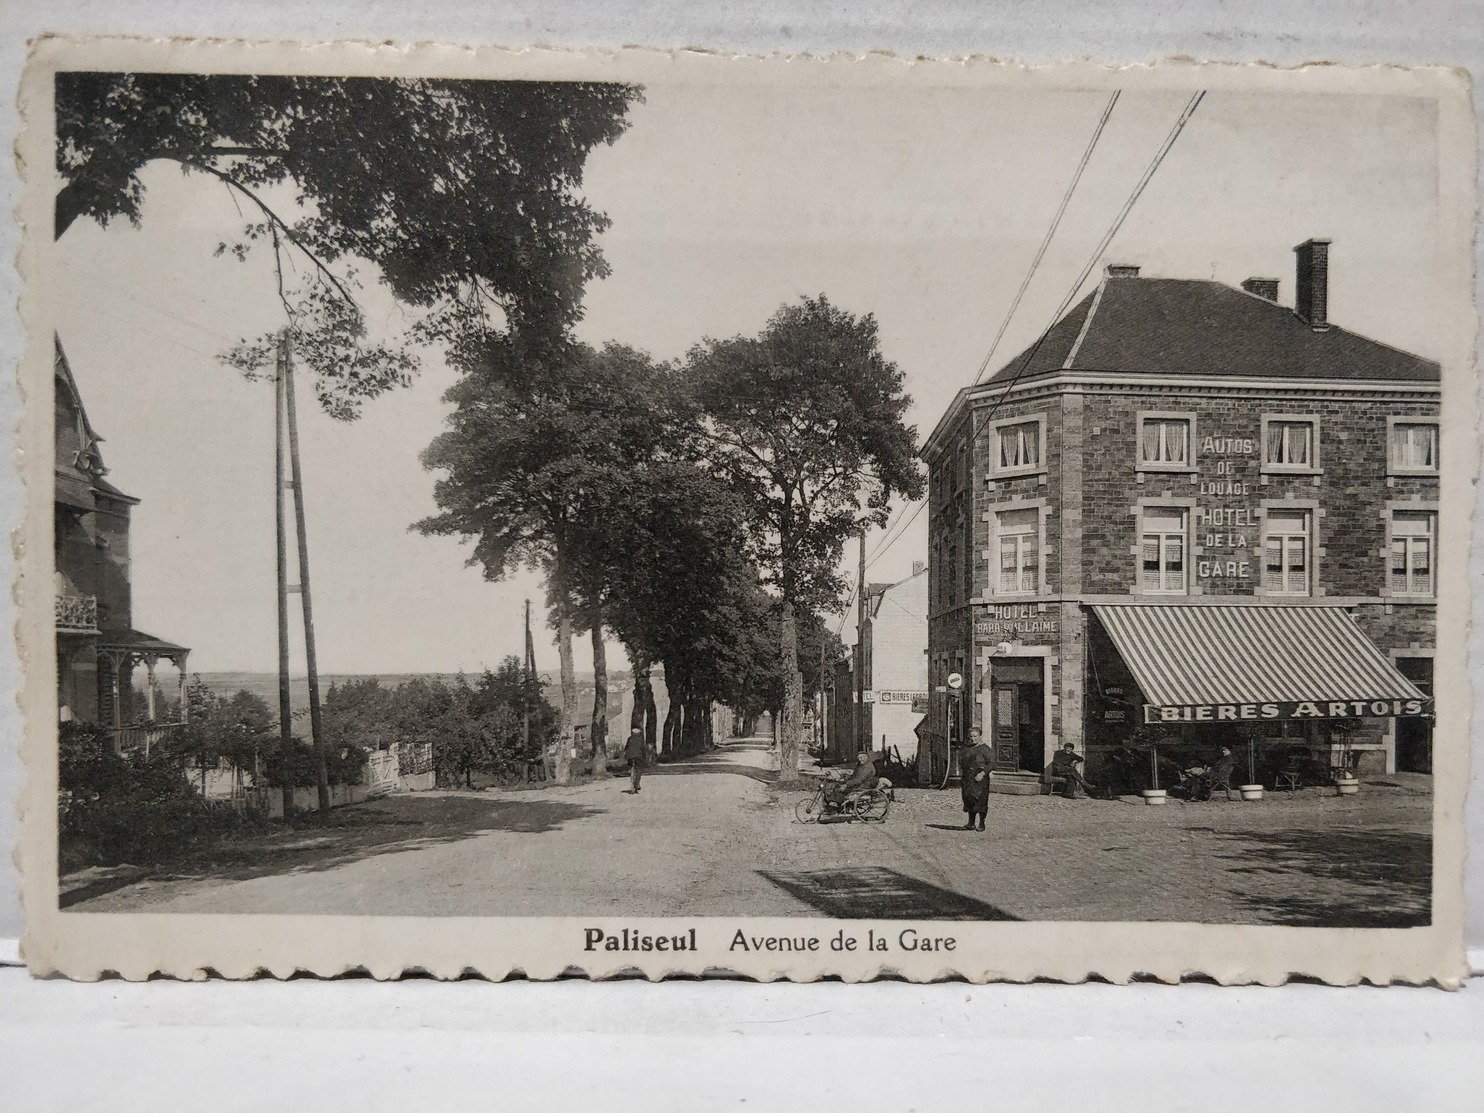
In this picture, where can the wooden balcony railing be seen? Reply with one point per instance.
(140, 738)
(77, 614)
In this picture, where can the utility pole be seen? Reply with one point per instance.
(525, 694)
(297, 483)
(824, 746)
(285, 706)
(862, 726)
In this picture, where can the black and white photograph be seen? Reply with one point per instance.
(762, 520)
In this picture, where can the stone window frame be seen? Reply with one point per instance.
(1388, 511)
(1394, 421)
(1190, 505)
(995, 472)
(991, 554)
(1266, 467)
(1141, 466)
(1316, 551)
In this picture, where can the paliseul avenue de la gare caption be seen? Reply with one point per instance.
(628, 939)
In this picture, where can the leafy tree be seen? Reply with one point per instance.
(807, 424)
(517, 692)
(358, 712)
(465, 195)
(539, 449)
(239, 728)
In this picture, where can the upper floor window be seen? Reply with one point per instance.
(1019, 534)
(1412, 446)
(1165, 441)
(1287, 564)
(1018, 446)
(1290, 444)
(952, 580)
(1413, 544)
(1162, 561)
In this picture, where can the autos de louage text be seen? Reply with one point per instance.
(629, 939)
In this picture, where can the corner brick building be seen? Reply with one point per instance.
(1192, 507)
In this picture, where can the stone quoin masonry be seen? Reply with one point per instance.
(1151, 492)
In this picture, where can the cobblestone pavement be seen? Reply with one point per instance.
(716, 836)
(1309, 859)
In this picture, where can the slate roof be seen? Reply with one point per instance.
(1198, 327)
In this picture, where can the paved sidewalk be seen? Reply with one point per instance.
(715, 836)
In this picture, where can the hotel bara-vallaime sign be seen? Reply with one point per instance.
(1003, 622)
(1285, 711)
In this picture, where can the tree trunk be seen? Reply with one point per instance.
(568, 722)
(693, 733)
(788, 730)
(643, 716)
(600, 699)
(651, 712)
(667, 741)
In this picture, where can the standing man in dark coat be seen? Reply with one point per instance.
(974, 764)
(633, 752)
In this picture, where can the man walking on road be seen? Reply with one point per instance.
(633, 752)
(973, 766)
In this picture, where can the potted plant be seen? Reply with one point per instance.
(1252, 789)
(1149, 737)
(1346, 782)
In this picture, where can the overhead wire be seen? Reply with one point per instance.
(890, 540)
(1061, 210)
(1128, 205)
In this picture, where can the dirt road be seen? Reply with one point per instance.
(713, 836)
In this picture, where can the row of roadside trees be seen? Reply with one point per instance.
(695, 509)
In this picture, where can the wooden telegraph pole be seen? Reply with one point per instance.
(525, 695)
(285, 707)
(296, 483)
(824, 744)
(862, 730)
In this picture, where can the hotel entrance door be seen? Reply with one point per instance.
(1018, 712)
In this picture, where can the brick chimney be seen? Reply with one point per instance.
(1311, 291)
(1122, 271)
(1262, 288)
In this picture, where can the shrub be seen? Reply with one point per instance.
(114, 809)
(297, 766)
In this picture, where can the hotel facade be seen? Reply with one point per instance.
(1191, 507)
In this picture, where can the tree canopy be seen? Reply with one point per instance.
(465, 195)
(807, 423)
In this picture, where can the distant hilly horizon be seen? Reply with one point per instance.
(264, 684)
(389, 678)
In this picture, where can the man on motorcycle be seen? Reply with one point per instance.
(836, 792)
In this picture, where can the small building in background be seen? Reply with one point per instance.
(891, 649)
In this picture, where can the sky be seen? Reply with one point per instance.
(922, 207)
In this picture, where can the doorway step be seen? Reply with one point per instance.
(1014, 783)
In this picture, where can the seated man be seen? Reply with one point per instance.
(1064, 767)
(837, 791)
(1218, 775)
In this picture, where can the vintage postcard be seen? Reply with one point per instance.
(543, 513)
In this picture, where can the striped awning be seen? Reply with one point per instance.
(1255, 662)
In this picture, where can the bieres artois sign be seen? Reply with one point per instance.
(1285, 711)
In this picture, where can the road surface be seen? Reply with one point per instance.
(714, 836)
